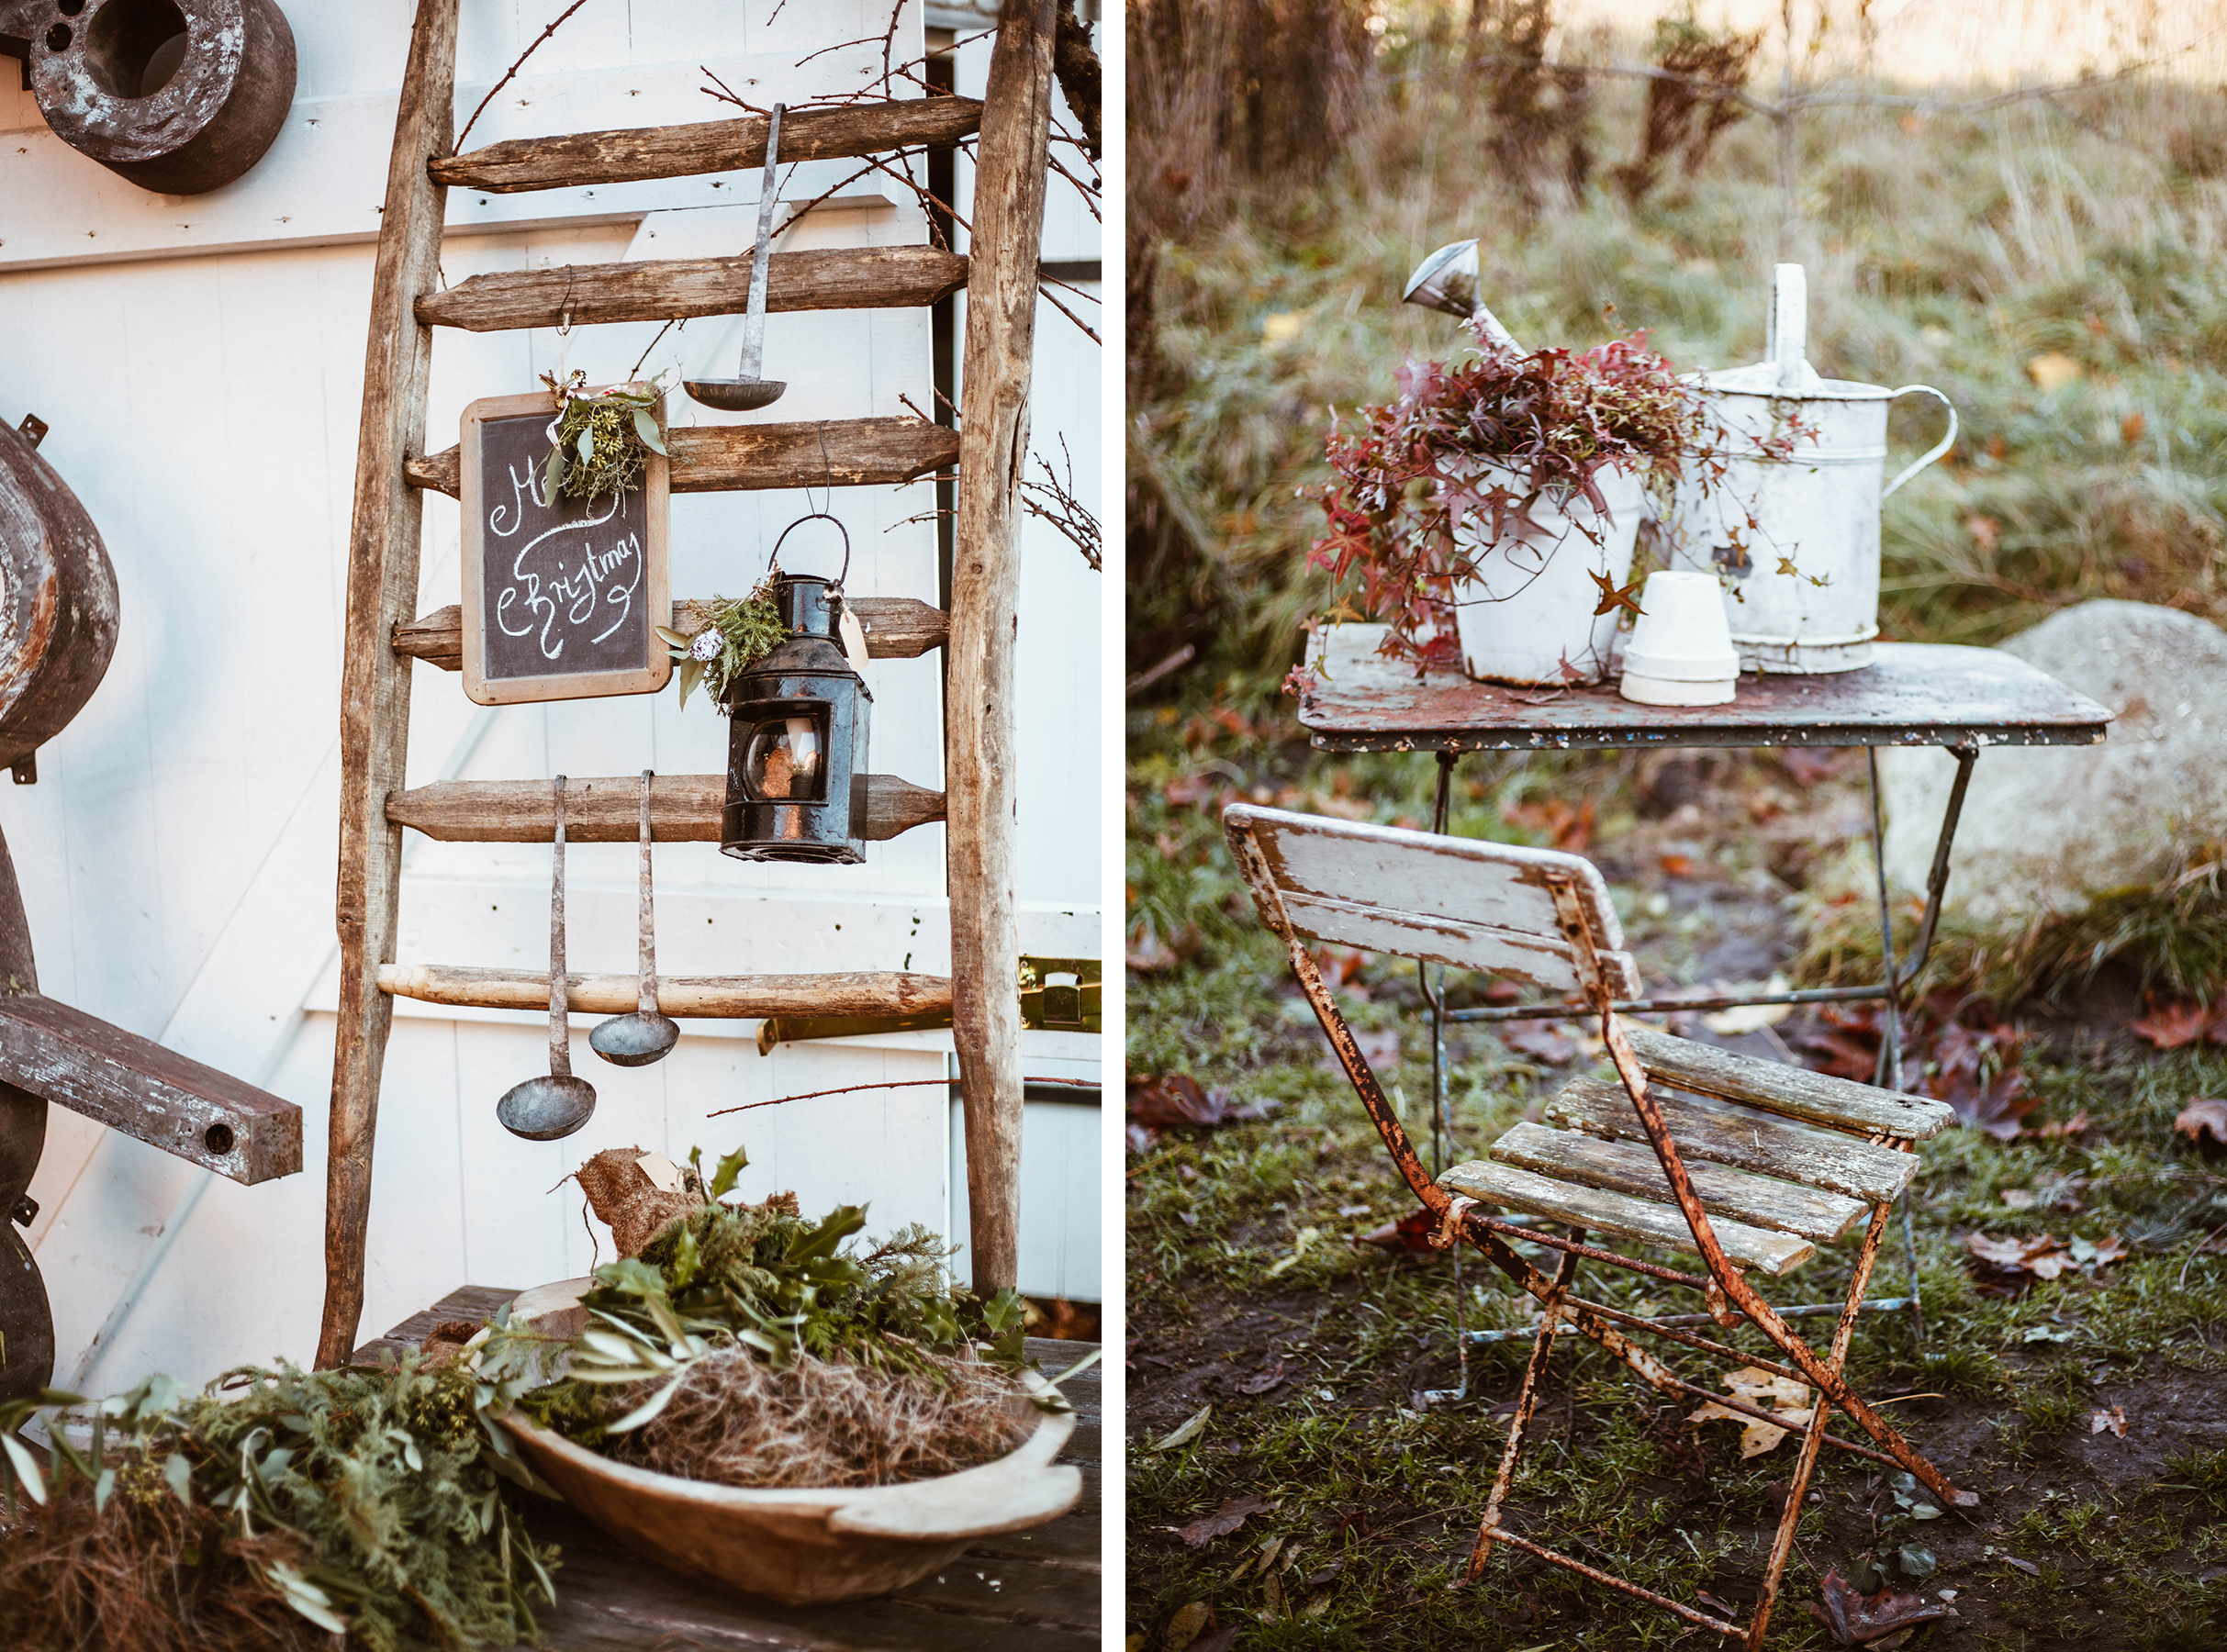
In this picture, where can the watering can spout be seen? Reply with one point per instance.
(1447, 281)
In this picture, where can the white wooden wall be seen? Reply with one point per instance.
(200, 362)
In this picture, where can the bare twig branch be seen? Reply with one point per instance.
(1066, 513)
(892, 1084)
(511, 73)
(1053, 299)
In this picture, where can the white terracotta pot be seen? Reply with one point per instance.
(1530, 606)
(1681, 648)
(798, 1546)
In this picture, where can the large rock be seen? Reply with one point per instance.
(2044, 827)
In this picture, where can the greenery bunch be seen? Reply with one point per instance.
(761, 1275)
(387, 1479)
(598, 439)
(737, 632)
(1480, 443)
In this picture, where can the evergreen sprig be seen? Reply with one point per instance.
(736, 634)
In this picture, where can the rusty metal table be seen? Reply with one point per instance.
(1911, 695)
(1030, 1591)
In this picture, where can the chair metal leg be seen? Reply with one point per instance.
(1526, 1397)
(1813, 1436)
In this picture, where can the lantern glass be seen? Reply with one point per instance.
(786, 758)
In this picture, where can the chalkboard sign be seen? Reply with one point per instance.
(560, 595)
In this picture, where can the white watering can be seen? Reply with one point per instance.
(1818, 506)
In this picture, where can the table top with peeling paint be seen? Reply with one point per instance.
(1912, 693)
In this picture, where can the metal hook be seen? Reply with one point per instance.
(773, 562)
(564, 325)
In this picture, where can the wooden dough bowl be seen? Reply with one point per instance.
(797, 1546)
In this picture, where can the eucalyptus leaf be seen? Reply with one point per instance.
(649, 1408)
(25, 1471)
(692, 674)
(645, 428)
(179, 1472)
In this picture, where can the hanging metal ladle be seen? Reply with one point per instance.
(542, 1109)
(747, 390)
(648, 1034)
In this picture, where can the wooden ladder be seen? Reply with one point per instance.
(383, 637)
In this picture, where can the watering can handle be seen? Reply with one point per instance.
(1938, 449)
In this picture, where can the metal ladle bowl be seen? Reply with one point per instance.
(544, 1109)
(647, 1035)
(746, 390)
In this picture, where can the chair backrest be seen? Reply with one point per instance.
(1537, 914)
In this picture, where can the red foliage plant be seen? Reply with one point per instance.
(1487, 439)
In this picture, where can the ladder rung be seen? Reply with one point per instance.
(720, 458)
(736, 998)
(679, 152)
(132, 1083)
(663, 289)
(684, 808)
(897, 628)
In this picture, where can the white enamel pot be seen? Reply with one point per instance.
(1529, 611)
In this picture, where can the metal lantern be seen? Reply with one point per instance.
(796, 749)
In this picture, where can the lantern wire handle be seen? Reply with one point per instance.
(774, 561)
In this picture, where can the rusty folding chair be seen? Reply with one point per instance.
(1784, 1159)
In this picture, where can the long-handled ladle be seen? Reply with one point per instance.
(542, 1109)
(646, 1036)
(746, 390)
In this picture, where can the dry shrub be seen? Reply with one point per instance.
(144, 1575)
(1542, 115)
(737, 1421)
(1681, 117)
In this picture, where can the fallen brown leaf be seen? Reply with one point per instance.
(2133, 428)
(2169, 1026)
(1782, 1396)
(1677, 865)
(1221, 1640)
(1413, 1232)
(2112, 1421)
(1222, 1520)
(1171, 1101)
(1541, 1040)
(2075, 1125)
(1189, 1619)
(1856, 1620)
(2207, 1115)
(1262, 1381)
(2041, 1255)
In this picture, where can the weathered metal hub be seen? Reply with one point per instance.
(180, 96)
(58, 603)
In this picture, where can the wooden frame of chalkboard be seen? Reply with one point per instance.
(560, 601)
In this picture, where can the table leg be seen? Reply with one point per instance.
(1442, 1130)
(1889, 1073)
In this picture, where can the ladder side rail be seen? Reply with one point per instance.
(375, 680)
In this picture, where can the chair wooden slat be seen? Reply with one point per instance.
(1621, 1216)
(1627, 1167)
(1463, 901)
(1747, 1141)
(1794, 1091)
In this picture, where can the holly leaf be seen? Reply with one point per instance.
(730, 1169)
